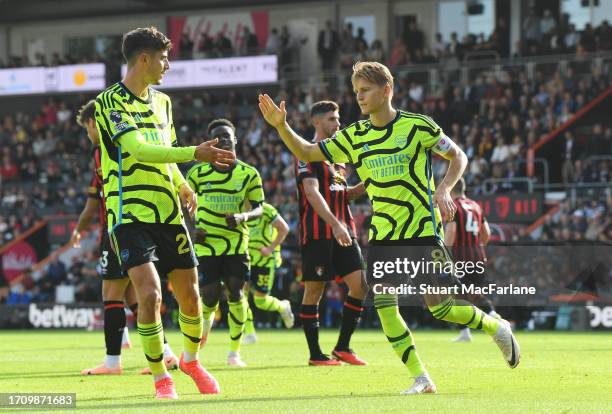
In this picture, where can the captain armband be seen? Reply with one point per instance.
(443, 145)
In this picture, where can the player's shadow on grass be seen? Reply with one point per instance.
(214, 400)
(31, 375)
(212, 368)
(47, 349)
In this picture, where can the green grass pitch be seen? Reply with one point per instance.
(559, 373)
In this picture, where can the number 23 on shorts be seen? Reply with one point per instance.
(183, 246)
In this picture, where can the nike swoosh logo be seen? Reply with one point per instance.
(513, 357)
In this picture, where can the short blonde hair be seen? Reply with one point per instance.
(372, 72)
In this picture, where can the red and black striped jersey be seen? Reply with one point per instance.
(96, 189)
(332, 187)
(469, 220)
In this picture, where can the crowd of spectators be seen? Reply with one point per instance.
(540, 35)
(43, 168)
(342, 48)
(589, 220)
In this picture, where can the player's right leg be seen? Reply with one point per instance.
(459, 311)
(263, 281)
(348, 262)
(171, 360)
(132, 303)
(148, 289)
(317, 270)
(250, 337)
(351, 315)
(114, 324)
(484, 303)
(209, 273)
(114, 286)
(309, 314)
(236, 273)
(399, 336)
(186, 292)
(137, 245)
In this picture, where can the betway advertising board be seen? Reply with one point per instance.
(249, 70)
(49, 316)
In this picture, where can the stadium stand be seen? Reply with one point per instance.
(494, 114)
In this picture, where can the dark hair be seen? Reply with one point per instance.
(459, 188)
(323, 107)
(87, 112)
(219, 122)
(144, 39)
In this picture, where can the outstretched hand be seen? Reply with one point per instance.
(207, 152)
(274, 115)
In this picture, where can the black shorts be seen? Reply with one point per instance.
(323, 260)
(475, 279)
(166, 245)
(262, 277)
(430, 253)
(218, 268)
(108, 263)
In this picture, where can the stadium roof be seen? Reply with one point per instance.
(19, 11)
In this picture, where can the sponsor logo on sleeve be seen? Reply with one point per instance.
(117, 120)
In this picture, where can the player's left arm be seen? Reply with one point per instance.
(89, 212)
(234, 220)
(450, 151)
(450, 231)
(186, 194)
(355, 192)
(255, 197)
(485, 232)
(282, 230)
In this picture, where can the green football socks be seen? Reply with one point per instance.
(249, 325)
(397, 333)
(466, 314)
(235, 319)
(191, 327)
(267, 303)
(152, 339)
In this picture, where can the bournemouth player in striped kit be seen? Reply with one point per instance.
(328, 243)
(468, 234)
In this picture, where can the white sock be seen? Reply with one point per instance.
(465, 332)
(112, 361)
(160, 376)
(167, 350)
(233, 354)
(207, 325)
(188, 356)
(126, 336)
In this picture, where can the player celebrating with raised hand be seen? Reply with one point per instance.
(144, 191)
(228, 198)
(266, 234)
(115, 284)
(392, 154)
(328, 242)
